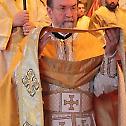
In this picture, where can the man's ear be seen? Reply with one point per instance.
(49, 11)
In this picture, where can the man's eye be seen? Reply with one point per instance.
(62, 8)
(74, 7)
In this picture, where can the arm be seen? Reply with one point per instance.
(38, 18)
(106, 80)
(5, 27)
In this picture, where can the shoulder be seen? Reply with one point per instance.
(86, 18)
(101, 10)
(122, 10)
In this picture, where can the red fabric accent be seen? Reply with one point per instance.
(95, 5)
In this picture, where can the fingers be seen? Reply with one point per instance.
(27, 27)
(26, 16)
(20, 18)
(26, 33)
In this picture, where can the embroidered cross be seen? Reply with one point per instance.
(61, 123)
(83, 123)
(71, 102)
(30, 82)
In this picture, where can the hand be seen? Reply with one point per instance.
(20, 18)
(112, 37)
(27, 27)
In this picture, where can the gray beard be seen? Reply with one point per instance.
(68, 25)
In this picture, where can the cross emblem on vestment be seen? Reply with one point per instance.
(83, 123)
(30, 82)
(61, 123)
(71, 102)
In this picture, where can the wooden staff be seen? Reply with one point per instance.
(24, 4)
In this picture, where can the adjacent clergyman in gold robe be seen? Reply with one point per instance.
(5, 31)
(10, 34)
(107, 16)
(104, 17)
(10, 37)
(22, 106)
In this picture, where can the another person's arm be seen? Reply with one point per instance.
(107, 80)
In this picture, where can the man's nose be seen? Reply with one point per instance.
(69, 12)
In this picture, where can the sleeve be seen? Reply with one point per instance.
(5, 27)
(42, 17)
(96, 22)
(106, 80)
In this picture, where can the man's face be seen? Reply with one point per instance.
(80, 10)
(112, 4)
(63, 13)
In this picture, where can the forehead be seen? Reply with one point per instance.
(64, 3)
(80, 5)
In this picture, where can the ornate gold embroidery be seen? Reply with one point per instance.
(61, 123)
(26, 124)
(83, 123)
(30, 82)
(109, 69)
(71, 102)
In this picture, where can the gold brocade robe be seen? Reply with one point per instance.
(9, 40)
(86, 52)
(66, 68)
(5, 31)
(20, 89)
(83, 22)
(8, 103)
(71, 51)
(21, 64)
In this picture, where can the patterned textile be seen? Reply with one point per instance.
(67, 107)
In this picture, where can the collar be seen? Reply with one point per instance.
(61, 36)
